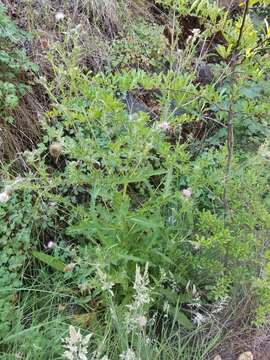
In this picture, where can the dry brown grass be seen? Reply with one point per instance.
(229, 4)
(23, 134)
(238, 333)
(105, 14)
(100, 21)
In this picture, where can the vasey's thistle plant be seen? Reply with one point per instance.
(135, 223)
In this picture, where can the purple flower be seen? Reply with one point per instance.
(187, 192)
(165, 126)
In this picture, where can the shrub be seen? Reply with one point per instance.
(117, 194)
(142, 46)
(113, 188)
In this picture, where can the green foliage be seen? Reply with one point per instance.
(250, 106)
(143, 46)
(14, 64)
(118, 189)
(128, 188)
(15, 235)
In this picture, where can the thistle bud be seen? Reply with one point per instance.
(55, 150)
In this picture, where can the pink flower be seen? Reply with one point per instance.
(165, 126)
(187, 192)
(142, 321)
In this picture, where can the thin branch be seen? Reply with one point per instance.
(230, 135)
(242, 26)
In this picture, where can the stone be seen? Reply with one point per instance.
(246, 356)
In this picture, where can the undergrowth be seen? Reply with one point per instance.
(18, 105)
(146, 205)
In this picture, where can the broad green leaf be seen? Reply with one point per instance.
(50, 260)
(181, 318)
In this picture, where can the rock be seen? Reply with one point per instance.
(229, 4)
(134, 106)
(246, 356)
(205, 75)
(217, 357)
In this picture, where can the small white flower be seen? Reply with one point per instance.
(196, 32)
(19, 356)
(142, 321)
(50, 245)
(59, 16)
(4, 197)
(187, 192)
(199, 319)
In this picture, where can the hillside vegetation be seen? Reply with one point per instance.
(135, 178)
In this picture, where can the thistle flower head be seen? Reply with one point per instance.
(165, 126)
(55, 150)
(187, 192)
